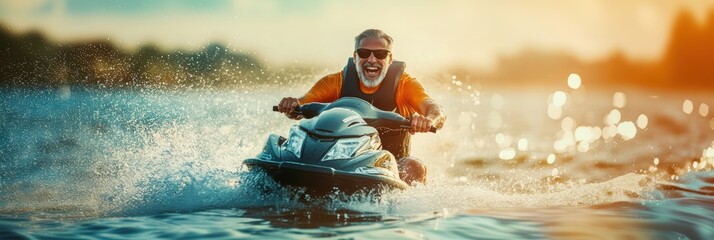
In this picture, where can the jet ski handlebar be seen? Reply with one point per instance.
(371, 115)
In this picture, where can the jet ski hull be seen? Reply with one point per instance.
(321, 179)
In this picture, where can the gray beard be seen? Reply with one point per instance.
(370, 83)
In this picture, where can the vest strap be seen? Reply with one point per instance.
(385, 97)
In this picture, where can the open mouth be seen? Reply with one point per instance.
(371, 71)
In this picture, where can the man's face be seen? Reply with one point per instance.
(371, 70)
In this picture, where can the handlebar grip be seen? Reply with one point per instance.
(275, 108)
(432, 129)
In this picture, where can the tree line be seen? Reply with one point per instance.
(32, 60)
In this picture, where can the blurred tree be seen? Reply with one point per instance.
(688, 58)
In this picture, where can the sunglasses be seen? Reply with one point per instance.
(378, 53)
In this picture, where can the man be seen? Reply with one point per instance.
(371, 75)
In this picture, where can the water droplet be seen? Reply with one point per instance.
(703, 109)
(551, 158)
(507, 154)
(656, 161)
(559, 98)
(560, 145)
(583, 134)
(709, 153)
(500, 139)
(583, 146)
(523, 144)
(627, 130)
(619, 100)
(596, 133)
(574, 81)
(687, 106)
(567, 124)
(642, 121)
(613, 117)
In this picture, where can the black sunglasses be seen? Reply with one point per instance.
(378, 53)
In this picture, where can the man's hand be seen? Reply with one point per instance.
(419, 123)
(433, 111)
(287, 106)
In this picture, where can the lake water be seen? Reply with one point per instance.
(524, 163)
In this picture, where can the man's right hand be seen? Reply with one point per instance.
(287, 106)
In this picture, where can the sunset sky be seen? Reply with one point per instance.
(426, 33)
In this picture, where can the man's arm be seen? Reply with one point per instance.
(327, 89)
(433, 112)
(433, 116)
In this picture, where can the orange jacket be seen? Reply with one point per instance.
(410, 93)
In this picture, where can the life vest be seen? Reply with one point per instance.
(385, 98)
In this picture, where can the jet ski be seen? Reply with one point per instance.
(336, 147)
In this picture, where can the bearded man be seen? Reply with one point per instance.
(373, 75)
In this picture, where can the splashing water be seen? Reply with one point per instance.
(524, 165)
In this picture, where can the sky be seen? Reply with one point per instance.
(469, 33)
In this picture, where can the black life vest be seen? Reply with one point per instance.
(385, 98)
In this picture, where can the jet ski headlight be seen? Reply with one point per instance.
(295, 140)
(346, 148)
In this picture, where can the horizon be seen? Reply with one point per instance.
(586, 29)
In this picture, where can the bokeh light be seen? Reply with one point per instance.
(551, 158)
(613, 117)
(627, 130)
(583, 134)
(567, 124)
(554, 112)
(507, 154)
(559, 98)
(619, 100)
(523, 144)
(687, 106)
(642, 121)
(703, 109)
(609, 132)
(574, 81)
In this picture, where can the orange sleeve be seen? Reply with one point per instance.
(410, 95)
(325, 90)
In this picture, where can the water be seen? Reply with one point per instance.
(510, 164)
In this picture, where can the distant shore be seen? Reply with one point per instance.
(30, 60)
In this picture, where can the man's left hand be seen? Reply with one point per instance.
(419, 123)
